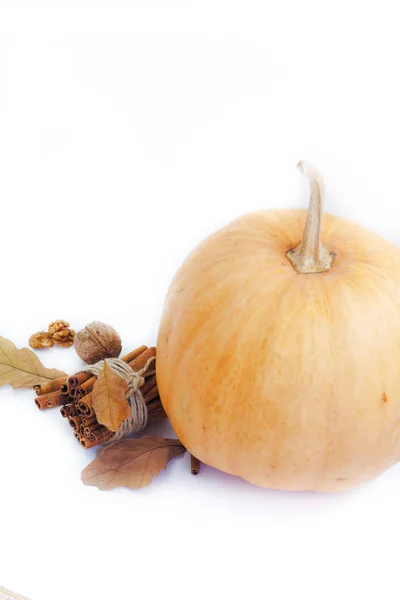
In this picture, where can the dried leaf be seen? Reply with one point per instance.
(109, 399)
(22, 368)
(131, 462)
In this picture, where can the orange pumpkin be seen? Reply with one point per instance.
(278, 358)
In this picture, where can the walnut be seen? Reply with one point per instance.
(57, 326)
(97, 341)
(61, 334)
(40, 340)
(64, 338)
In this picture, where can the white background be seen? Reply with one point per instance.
(128, 132)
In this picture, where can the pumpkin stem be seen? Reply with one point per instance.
(310, 256)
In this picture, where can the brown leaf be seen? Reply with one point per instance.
(131, 462)
(22, 368)
(109, 399)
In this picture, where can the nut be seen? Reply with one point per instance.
(64, 338)
(40, 340)
(57, 326)
(61, 334)
(66, 344)
(97, 341)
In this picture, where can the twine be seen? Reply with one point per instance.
(135, 379)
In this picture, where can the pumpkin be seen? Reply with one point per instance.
(278, 353)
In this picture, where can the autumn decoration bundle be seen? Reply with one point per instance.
(103, 404)
(95, 407)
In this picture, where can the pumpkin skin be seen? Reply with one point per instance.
(290, 381)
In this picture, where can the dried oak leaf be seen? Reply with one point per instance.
(131, 462)
(109, 399)
(22, 368)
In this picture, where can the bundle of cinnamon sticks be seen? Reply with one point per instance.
(74, 395)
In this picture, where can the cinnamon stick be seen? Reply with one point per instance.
(50, 400)
(68, 410)
(56, 399)
(88, 420)
(78, 379)
(86, 443)
(148, 384)
(64, 412)
(151, 394)
(79, 394)
(87, 386)
(100, 433)
(86, 399)
(84, 408)
(88, 429)
(155, 412)
(100, 436)
(139, 362)
(194, 465)
(134, 354)
(50, 386)
(41, 402)
(75, 422)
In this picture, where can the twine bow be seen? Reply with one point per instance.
(135, 380)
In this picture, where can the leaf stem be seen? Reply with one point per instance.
(310, 256)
